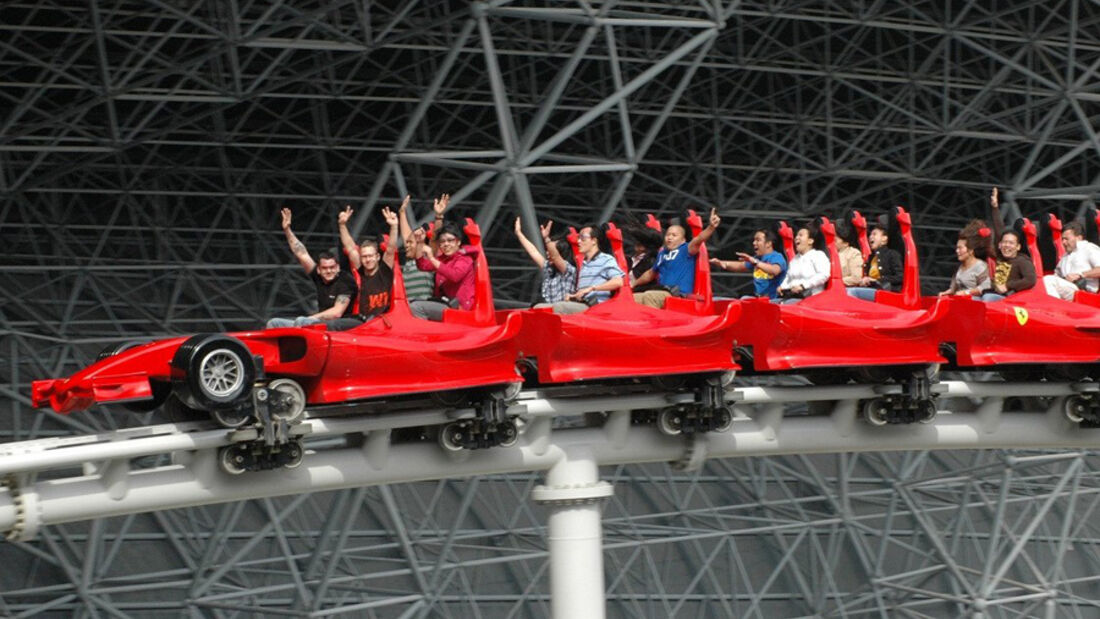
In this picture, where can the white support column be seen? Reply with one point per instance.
(575, 494)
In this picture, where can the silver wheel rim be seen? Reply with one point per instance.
(509, 440)
(296, 461)
(1071, 411)
(297, 397)
(928, 413)
(229, 464)
(874, 415)
(448, 437)
(511, 392)
(666, 422)
(221, 373)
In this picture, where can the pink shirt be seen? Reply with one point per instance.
(454, 278)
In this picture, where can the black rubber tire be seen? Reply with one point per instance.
(213, 372)
(161, 392)
(116, 348)
(175, 411)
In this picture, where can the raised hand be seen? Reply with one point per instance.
(345, 216)
(993, 198)
(519, 227)
(439, 205)
(545, 228)
(286, 218)
(404, 204)
(714, 218)
(390, 216)
(418, 235)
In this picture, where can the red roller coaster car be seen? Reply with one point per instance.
(277, 373)
(685, 345)
(891, 338)
(1031, 334)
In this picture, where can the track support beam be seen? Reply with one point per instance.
(575, 496)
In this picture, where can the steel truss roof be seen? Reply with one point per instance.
(145, 148)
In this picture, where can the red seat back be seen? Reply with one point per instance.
(1055, 226)
(859, 222)
(836, 275)
(615, 237)
(651, 222)
(910, 285)
(1031, 236)
(786, 236)
(703, 293)
(991, 256)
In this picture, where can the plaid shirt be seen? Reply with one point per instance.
(555, 284)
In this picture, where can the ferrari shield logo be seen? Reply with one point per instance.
(1021, 315)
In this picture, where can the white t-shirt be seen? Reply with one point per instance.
(1085, 257)
(809, 270)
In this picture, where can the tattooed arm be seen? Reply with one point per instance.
(296, 246)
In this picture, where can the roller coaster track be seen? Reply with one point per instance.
(58, 480)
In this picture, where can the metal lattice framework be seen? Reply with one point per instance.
(145, 148)
(918, 534)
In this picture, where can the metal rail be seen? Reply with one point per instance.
(95, 476)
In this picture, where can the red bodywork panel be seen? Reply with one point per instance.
(831, 329)
(1028, 327)
(394, 354)
(619, 338)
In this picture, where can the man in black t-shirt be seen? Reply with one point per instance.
(375, 271)
(335, 290)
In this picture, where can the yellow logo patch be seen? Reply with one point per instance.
(1021, 315)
